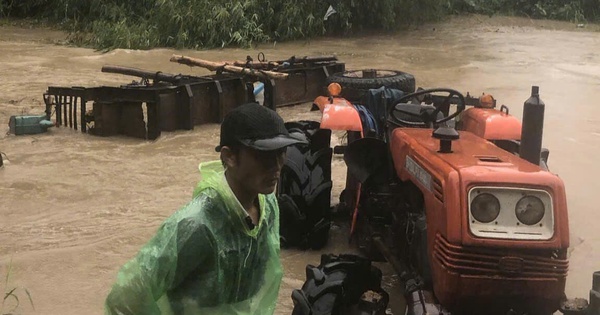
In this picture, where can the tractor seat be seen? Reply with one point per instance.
(416, 109)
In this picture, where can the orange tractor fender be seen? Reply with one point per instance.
(338, 113)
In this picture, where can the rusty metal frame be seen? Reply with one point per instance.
(182, 104)
(304, 83)
(168, 107)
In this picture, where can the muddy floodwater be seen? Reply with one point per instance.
(75, 207)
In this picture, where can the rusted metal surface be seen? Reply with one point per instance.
(116, 110)
(180, 102)
(468, 278)
(304, 83)
(121, 110)
(468, 261)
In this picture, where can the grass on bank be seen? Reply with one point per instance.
(11, 302)
(196, 24)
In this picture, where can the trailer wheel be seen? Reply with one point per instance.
(355, 84)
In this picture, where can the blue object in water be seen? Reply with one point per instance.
(29, 125)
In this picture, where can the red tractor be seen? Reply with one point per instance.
(457, 196)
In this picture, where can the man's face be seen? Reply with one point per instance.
(256, 171)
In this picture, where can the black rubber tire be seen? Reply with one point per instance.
(336, 285)
(355, 87)
(306, 181)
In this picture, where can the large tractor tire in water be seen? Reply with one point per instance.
(341, 285)
(356, 84)
(304, 189)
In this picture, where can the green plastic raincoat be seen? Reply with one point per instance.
(204, 259)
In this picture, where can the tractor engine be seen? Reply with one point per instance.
(395, 212)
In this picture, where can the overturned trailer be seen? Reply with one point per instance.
(145, 111)
(165, 102)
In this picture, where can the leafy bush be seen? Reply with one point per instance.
(569, 10)
(143, 24)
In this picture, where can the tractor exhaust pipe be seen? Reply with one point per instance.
(533, 127)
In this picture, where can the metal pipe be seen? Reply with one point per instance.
(396, 264)
(422, 302)
(155, 75)
(71, 111)
(532, 128)
(82, 113)
(58, 102)
(75, 112)
(65, 110)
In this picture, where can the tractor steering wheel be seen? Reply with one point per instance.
(427, 118)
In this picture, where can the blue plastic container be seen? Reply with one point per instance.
(29, 125)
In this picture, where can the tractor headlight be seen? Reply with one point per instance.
(530, 210)
(510, 213)
(485, 208)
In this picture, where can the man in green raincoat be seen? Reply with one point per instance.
(219, 254)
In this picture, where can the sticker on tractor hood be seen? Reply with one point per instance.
(417, 171)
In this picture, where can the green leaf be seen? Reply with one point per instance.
(11, 294)
(30, 299)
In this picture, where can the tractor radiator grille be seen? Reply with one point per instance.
(473, 261)
(437, 190)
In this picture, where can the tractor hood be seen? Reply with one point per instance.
(473, 162)
(472, 157)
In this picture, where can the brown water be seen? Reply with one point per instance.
(74, 207)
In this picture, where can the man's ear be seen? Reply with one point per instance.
(228, 157)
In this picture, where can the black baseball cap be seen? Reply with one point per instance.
(258, 127)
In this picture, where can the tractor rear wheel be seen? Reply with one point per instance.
(355, 84)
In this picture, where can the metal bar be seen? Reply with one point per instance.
(71, 111)
(396, 264)
(65, 114)
(269, 94)
(152, 126)
(82, 113)
(58, 101)
(308, 59)
(439, 99)
(75, 91)
(188, 123)
(156, 76)
(220, 100)
(48, 106)
(75, 113)
(326, 71)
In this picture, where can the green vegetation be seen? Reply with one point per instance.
(568, 10)
(10, 303)
(143, 24)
